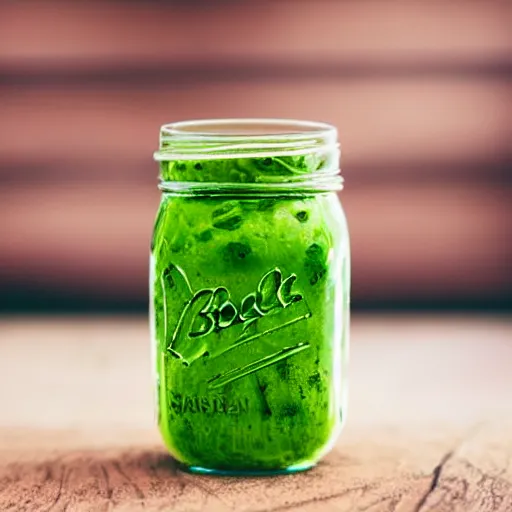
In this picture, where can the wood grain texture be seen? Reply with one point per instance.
(383, 124)
(105, 34)
(429, 424)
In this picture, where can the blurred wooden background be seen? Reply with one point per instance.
(420, 92)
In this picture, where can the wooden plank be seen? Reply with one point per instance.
(99, 35)
(477, 476)
(144, 478)
(435, 242)
(382, 124)
(428, 426)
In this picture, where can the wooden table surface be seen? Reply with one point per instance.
(429, 426)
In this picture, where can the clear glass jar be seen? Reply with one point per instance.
(250, 280)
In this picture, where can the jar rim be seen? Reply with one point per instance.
(247, 128)
(247, 137)
(285, 153)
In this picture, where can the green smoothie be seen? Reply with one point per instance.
(249, 312)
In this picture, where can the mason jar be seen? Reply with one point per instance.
(249, 282)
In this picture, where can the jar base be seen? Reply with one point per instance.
(297, 468)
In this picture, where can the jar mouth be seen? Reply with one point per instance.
(244, 128)
(249, 154)
(243, 138)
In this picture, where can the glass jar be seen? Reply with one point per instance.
(250, 279)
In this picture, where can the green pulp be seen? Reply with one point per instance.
(249, 313)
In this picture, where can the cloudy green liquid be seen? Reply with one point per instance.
(250, 324)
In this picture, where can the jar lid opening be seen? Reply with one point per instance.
(247, 128)
(234, 138)
(255, 152)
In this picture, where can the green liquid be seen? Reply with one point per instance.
(250, 325)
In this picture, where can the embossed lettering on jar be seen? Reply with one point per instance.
(250, 279)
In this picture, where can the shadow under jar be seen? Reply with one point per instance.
(249, 280)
